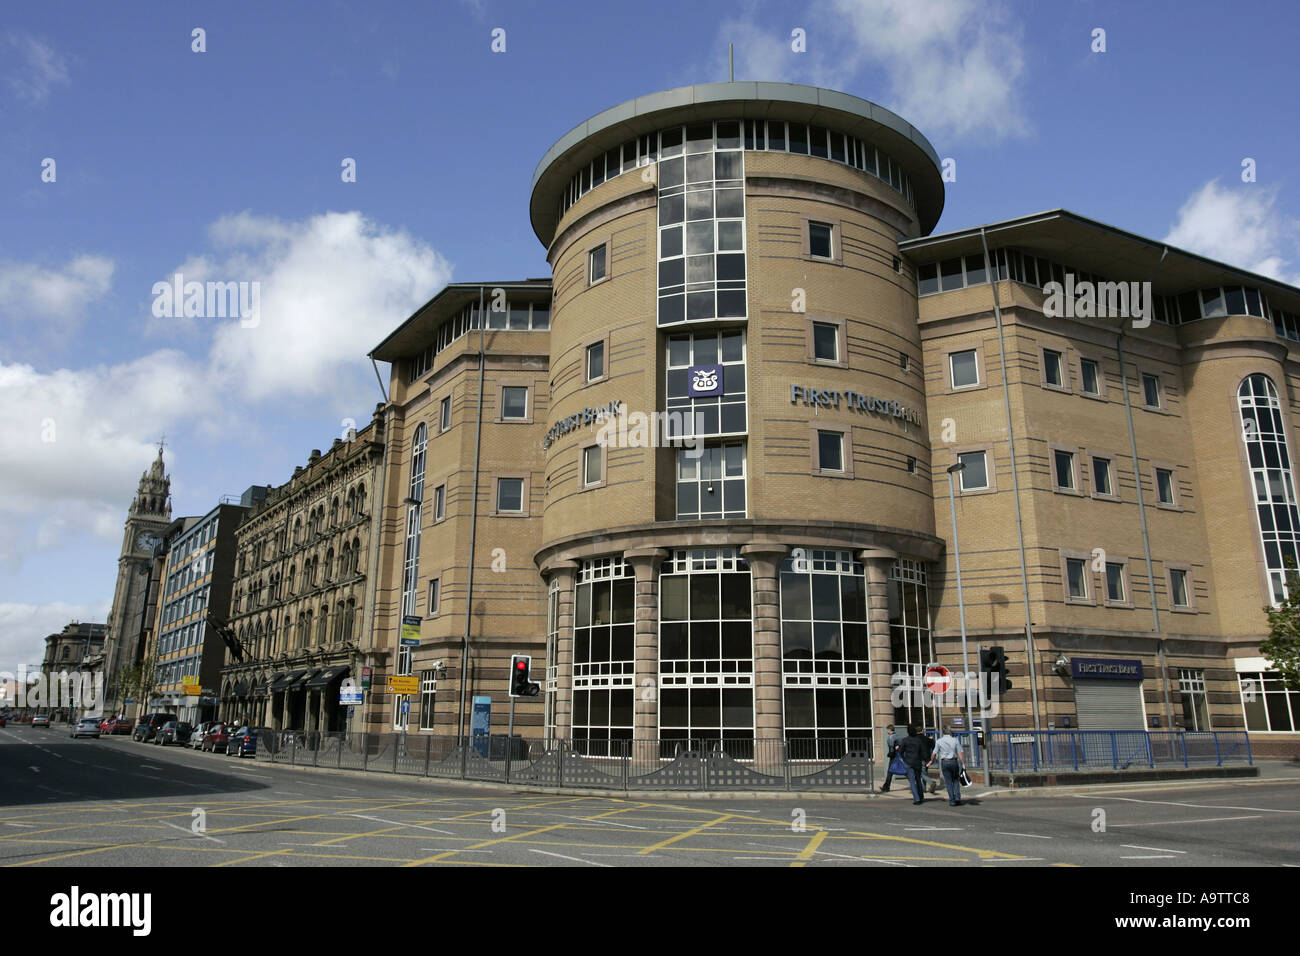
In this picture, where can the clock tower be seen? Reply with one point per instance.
(146, 521)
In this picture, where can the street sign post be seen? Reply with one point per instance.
(403, 684)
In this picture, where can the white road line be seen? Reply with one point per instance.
(1203, 806)
(1022, 859)
(1165, 823)
(1032, 836)
(20, 824)
(398, 823)
(934, 828)
(783, 859)
(1158, 849)
(575, 859)
(175, 826)
(1151, 856)
(34, 769)
(451, 849)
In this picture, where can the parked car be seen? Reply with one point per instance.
(2, 720)
(149, 725)
(244, 741)
(216, 738)
(174, 732)
(120, 725)
(86, 727)
(41, 720)
(196, 736)
(103, 724)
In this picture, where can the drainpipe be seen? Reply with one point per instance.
(1142, 511)
(473, 521)
(376, 526)
(1015, 487)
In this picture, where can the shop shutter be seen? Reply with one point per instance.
(1109, 704)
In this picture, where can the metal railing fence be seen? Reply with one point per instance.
(1024, 751)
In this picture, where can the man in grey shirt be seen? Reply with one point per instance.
(892, 740)
(948, 752)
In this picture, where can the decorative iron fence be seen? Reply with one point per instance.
(1024, 751)
(661, 764)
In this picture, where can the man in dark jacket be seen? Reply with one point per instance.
(912, 749)
(929, 752)
(891, 745)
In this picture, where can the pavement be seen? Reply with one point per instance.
(114, 802)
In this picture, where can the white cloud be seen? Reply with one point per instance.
(952, 68)
(24, 627)
(35, 68)
(1241, 227)
(331, 287)
(31, 292)
(75, 443)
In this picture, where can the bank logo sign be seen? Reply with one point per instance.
(705, 380)
(853, 401)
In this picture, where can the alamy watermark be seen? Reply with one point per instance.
(672, 429)
(1100, 300)
(83, 690)
(951, 690)
(209, 300)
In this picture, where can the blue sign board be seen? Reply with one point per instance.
(1106, 668)
(410, 642)
(480, 724)
(704, 380)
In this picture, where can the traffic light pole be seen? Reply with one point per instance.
(510, 736)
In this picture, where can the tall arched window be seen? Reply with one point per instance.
(321, 625)
(1270, 472)
(334, 512)
(361, 492)
(329, 564)
(356, 554)
(347, 621)
(415, 494)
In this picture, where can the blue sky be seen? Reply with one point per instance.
(225, 165)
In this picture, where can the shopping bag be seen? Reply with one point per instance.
(897, 767)
(964, 778)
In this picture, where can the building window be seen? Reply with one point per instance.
(1179, 595)
(711, 482)
(1270, 707)
(705, 384)
(1165, 486)
(414, 496)
(596, 264)
(826, 341)
(701, 224)
(1063, 470)
(911, 465)
(910, 647)
(444, 414)
(830, 450)
(595, 361)
(1052, 369)
(514, 403)
(820, 240)
(1076, 573)
(551, 689)
(1269, 456)
(706, 656)
(435, 595)
(1196, 709)
(428, 690)
(592, 462)
(1102, 483)
(825, 669)
(1151, 390)
(510, 495)
(1090, 376)
(1116, 592)
(975, 476)
(604, 655)
(964, 368)
(439, 502)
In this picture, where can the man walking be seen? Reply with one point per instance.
(926, 782)
(948, 752)
(891, 746)
(912, 751)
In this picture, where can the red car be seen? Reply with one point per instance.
(216, 739)
(120, 725)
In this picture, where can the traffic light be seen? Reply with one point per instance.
(520, 685)
(994, 660)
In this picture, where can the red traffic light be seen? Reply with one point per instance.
(520, 666)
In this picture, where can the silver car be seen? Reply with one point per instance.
(86, 727)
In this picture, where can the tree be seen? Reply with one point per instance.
(136, 681)
(1283, 644)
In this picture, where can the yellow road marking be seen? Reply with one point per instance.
(479, 846)
(682, 836)
(255, 856)
(806, 853)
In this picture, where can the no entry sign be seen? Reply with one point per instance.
(937, 679)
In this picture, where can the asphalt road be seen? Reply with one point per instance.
(114, 802)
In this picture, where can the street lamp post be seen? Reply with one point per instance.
(961, 608)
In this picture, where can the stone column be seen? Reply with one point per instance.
(645, 700)
(765, 559)
(566, 573)
(877, 562)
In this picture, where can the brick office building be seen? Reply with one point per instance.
(756, 260)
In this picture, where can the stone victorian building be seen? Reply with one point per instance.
(134, 596)
(300, 607)
(78, 648)
(751, 266)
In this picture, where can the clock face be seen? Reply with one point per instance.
(146, 541)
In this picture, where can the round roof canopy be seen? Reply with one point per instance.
(712, 101)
